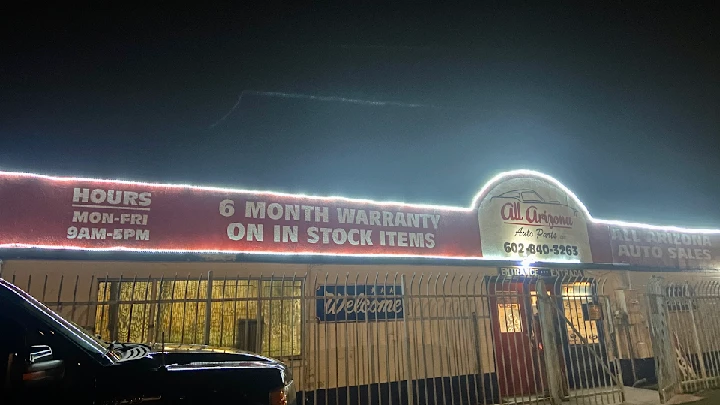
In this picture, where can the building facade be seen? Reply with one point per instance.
(368, 301)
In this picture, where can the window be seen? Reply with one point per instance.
(576, 296)
(509, 316)
(534, 303)
(256, 315)
(679, 298)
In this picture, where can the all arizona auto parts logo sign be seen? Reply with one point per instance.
(527, 217)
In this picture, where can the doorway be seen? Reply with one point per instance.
(517, 335)
(517, 338)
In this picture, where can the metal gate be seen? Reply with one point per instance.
(558, 344)
(368, 337)
(685, 332)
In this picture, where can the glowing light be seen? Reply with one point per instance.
(476, 199)
(527, 263)
(237, 191)
(338, 199)
(531, 173)
(259, 252)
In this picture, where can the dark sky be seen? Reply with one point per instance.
(619, 100)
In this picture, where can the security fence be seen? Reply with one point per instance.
(685, 327)
(371, 338)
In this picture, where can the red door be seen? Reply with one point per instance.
(519, 363)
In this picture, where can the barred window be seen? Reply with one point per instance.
(576, 296)
(508, 305)
(262, 316)
(679, 298)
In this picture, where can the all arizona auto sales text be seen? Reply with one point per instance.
(646, 243)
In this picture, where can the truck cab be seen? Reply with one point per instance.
(46, 358)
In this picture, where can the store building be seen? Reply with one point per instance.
(365, 299)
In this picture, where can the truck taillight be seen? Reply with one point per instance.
(278, 397)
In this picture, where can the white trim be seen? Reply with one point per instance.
(473, 205)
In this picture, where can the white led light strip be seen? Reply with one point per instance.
(530, 173)
(476, 199)
(252, 252)
(234, 190)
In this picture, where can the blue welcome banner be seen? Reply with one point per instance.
(338, 303)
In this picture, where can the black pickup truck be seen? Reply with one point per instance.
(44, 358)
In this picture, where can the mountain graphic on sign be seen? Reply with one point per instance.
(530, 196)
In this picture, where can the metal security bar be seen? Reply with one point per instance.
(686, 335)
(263, 315)
(368, 337)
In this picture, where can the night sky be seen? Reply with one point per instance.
(620, 102)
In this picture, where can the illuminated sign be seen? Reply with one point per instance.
(539, 272)
(518, 215)
(528, 217)
(652, 247)
(48, 212)
(336, 303)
